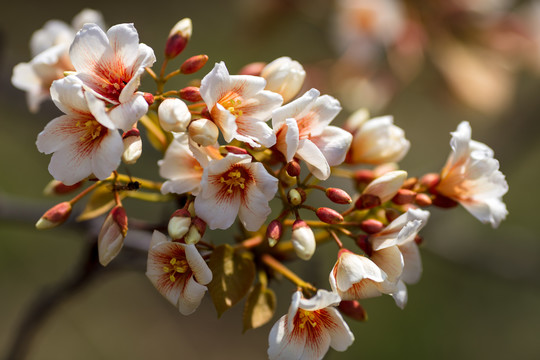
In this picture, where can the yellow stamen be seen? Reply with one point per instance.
(306, 316)
(179, 266)
(231, 107)
(92, 127)
(235, 179)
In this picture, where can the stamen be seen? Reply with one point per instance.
(92, 127)
(178, 266)
(306, 317)
(235, 179)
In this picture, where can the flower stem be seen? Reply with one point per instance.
(153, 128)
(283, 270)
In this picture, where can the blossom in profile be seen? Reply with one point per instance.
(285, 77)
(85, 140)
(309, 329)
(240, 106)
(178, 271)
(110, 64)
(472, 177)
(302, 129)
(235, 186)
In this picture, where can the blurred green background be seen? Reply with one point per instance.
(480, 293)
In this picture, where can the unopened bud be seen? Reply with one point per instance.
(391, 214)
(190, 93)
(203, 131)
(387, 185)
(112, 234)
(353, 309)
(132, 146)
(193, 64)
(179, 224)
(196, 231)
(367, 201)
(418, 240)
(422, 199)
(235, 150)
(444, 202)
(364, 176)
(363, 243)
(174, 115)
(295, 198)
(371, 226)
(149, 98)
(338, 196)
(403, 197)
(54, 216)
(303, 240)
(178, 38)
(253, 69)
(293, 168)
(274, 231)
(55, 187)
(430, 182)
(284, 76)
(329, 216)
(410, 183)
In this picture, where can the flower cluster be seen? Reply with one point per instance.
(249, 149)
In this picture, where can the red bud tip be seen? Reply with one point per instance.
(344, 251)
(367, 201)
(430, 181)
(293, 168)
(353, 309)
(119, 216)
(205, 113)
(364, 176)
(371, 226)
(363, 243)
(149, 98)
(391, 214)
(418, 240)
(200, 224)
(253, 69)
(175, 45)
(329, 216)
(131, 132)
(422, 199)
(338, 196)
(56, 187)
(180, 213)
(190, 93)
(193, 64)
(54, 216)
(444, 202)
(235, 150)
(299, 224)
(403, 197)
(274, 230)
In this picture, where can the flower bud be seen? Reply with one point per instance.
(174, 115)
(295, 198)
(179, 224)
(422, 199)
(203, 131)
(196, 231)
(274, 231)
(193, 64)
(329, 216)
(54, 216)
(190, 93)
(403, 197)
(112, 234)
(371, 226)
(293, 168)
(235, 150)
(386, 186)
(363, 243)
(364, 176)
(353, 309)
(338, 196)
(149, 98)
(391, 214)
(303, 240)
(178, 38)
(253, 69)
(367, 201)
(444, 202)
(430, 182)
(284, 76)
(132, 146)
(55, 187)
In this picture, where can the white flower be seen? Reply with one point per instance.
(174, 115)
(356, 277)
(85, 140)
(178, 272)
(183, 166)
(284, 76)
(110, 64)
(235, 186)
(471, 177)
(239, 106)
(303, 240)
(302, 130)
(310, 327)
(376, 141)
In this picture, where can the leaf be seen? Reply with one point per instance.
(233, 273)
(101, 201)
(260, 307)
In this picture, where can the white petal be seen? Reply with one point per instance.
(261, 105)
(128, 113)
(124, 41)
(254, 132)
(215, 84)
(352, 268)
(254, 208)
(90, 47)
(217, 213)
(390, 261)
(413, 263)
(325, 108)
(294, 109)
(265, 182)
(341, 336)
(316, 347)
(317, 164)
(107, 157)
(191, 296)
(322, 299)
(157, 238)
(287, 138)
(57, 133)
(333, 143)
(67, 94)
(284, 345)
(400, 296)
(200, 269)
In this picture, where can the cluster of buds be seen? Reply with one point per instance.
(224, 164)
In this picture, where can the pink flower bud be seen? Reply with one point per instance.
(338, 196)
(371, 226)
(54, 216)
(418, 240)
(196, 231)
(303, 240)
(178, 38)
(149, 98)
(293, 168)
(193, 64)
(56, 187)
(235, 150)
(190, 93)
(329, 216)
(422, 199)
(174, 115)
(391, 214)
(132, 146)
(274, 231)
(203, 131)
(112, 234)
(403, 197)
(353, 309)
(253, 69)
(363, 243)
(367, 201)
(179, 224)
(364, 176)
(430, 181)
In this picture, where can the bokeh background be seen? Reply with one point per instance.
(480, 291)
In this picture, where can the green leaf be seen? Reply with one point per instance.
(233, 273)
(260, 307)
